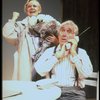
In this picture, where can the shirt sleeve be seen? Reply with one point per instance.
(11, 31)
(45, 63)
(83, 64)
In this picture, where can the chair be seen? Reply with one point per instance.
(93, 81)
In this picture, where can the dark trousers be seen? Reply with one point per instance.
(72, 93)
(36, 76)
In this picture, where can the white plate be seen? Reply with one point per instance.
(46, 83)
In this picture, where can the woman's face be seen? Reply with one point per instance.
(65, 33)
(33, 8)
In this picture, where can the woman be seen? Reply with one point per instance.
(17, 33)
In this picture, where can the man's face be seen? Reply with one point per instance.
(33, 8)
(66, 32)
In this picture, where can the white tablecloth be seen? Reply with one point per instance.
(29, 91)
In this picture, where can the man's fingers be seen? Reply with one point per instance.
(63, 48)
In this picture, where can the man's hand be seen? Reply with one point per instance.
(61, 53)
(74, 43)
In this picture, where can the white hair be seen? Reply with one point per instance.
(70, 22)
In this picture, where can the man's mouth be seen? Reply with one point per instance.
(63, 40)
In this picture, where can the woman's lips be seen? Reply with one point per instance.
(33, 11)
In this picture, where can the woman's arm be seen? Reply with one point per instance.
(10, 31)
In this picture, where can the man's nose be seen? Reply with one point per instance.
(64, 34)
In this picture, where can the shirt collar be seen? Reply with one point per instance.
(58, 48)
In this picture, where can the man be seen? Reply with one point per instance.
(17, 33)
(69, 65)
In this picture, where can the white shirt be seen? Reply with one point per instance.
(64, 70)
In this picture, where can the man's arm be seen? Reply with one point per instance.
(46, 62)
(82, 63)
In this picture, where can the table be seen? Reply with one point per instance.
(27, 90)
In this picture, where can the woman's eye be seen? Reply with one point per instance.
(34, 5)
(29, 6)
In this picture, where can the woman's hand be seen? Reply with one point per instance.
(15, 16)
(52, 39)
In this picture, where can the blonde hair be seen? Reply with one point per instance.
(25, 6)
(70, 22)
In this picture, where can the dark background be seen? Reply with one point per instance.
(85, 13)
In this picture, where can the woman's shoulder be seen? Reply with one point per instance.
(45, 17)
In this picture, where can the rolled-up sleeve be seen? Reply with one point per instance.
(46, 62)
(83, 64)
